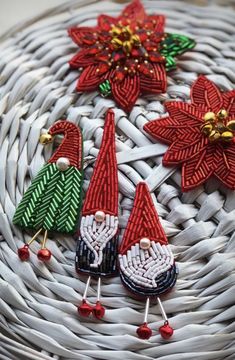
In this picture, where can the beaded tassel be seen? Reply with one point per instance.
(52, 202)
(97, 242)
(147, 266)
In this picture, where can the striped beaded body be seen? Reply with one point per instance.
(53, 200)
(97, 239)
(147, 266)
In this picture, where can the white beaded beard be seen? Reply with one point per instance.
(96, 234)
(144, 266)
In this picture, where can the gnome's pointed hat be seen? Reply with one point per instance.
(143, 221)
(71, 146)
(102, 193)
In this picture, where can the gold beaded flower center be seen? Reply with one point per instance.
(124, 38)
(217, 127)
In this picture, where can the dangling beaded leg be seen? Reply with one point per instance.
(144, 332)
(85, 309)
(44, 254)
(98, 309)
(23, 252)
(166, 330)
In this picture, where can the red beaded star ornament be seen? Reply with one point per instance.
(127, 55)
(201, 134)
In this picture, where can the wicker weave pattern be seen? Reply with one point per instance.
(37, 301)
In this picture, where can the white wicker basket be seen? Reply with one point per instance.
(38, 316)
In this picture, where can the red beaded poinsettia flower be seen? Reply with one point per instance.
(201, 134)
(127, 55)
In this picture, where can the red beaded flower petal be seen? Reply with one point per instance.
(200, 134)
(127, 55)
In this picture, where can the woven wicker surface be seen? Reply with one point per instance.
(38, 301)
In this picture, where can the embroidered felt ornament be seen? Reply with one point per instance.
(53, 200)
(127, 55)
(97, 243)
(201, 135)
(147, 266)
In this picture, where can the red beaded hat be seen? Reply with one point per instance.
(143, 222)
(102, 194)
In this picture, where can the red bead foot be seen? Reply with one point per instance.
(98, 310)
(166, 331)
(144, 332)
(44, 254)
(84, 309)
(23, 253)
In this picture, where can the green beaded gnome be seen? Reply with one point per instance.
(53, 201)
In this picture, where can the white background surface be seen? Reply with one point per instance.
(15, 11)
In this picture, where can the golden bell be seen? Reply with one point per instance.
(222, 114)
(127, 46)
(214, 135)
(231, 125)
(45, 138)
(136, 40)
(210, 116)
(115, 31)
(207, 128)
(227, 136)
(116, 42)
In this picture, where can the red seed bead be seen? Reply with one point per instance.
(84, 309)
(44, 255)
(144, 332)
(23, 253)
(166, 331)
(98, 310)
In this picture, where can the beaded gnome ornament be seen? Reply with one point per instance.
(147, 266)
(97, 243)
(53, 200)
